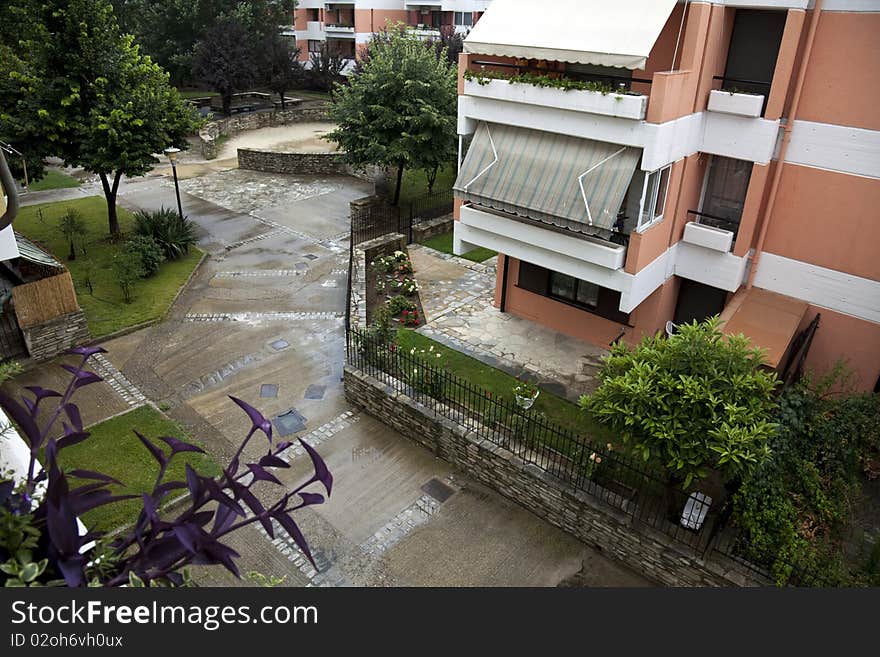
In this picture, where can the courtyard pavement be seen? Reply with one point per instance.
(457, 297)
(263, 320)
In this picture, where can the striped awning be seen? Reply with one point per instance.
(566, 181)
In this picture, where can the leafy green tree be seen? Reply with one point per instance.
(127, 270)
(89, 96)
(225, 60)
(693, 401)
(400, 110)
(281, 67)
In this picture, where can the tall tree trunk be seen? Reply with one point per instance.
(431, 175)
(399, 183)
(283, 93)
(227, 102)
(110, 194)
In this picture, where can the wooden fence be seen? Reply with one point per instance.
(44, 300)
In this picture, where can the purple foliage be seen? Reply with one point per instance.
(153, 549)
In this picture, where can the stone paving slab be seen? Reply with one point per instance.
(458, 303)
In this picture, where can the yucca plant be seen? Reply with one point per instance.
(173, 233)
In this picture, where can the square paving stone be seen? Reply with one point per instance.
(278, 345)
(310, 256)
(315, 392)
(290, 422)
(268, 390)
(301, 265)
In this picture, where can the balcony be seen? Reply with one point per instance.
(338, 30)
(424, 31)
(622, 104)
(739, 97)
(314, 31)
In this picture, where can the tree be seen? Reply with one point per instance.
(400, 110)
(225, 59)
(73, 228)
(325, 70)
(449, 45)
(89, 96)
(693, 401)
(40, 541)
(283, 70)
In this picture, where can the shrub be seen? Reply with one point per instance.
(411, 318)
(126, 270)
(173, 233)
(694, 401)
(73, 228)
(399, 304)
(147, 250)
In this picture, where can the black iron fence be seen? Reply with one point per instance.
(635, 488)
(430, 206)
(376, 220)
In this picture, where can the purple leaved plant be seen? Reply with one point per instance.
(153, 550)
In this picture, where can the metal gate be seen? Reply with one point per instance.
(11, 340)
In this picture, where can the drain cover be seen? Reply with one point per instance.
(300, 266)
(438, 490)
(289, 423)
(310, 256)
(268, 390)
(315, 392)
(278, 345)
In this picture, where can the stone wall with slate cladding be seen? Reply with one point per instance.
(50, 338)
(431, 228)
(300, 163)
(600, 526)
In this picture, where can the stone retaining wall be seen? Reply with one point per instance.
(616, 534)
(254, 120)
(363, 254)
(50, 338)
(431, 228)
(302, 163)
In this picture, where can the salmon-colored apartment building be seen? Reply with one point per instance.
(732, 170)
(345, 26)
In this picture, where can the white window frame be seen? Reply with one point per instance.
(460, 15)
(650, 192)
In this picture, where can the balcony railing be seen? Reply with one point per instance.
(613, 82)
(724, 223)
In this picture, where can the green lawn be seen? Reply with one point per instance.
(556, 409)
(415, 182)
(444, 243)
(104, 308)
(113, 449)
(53, 179)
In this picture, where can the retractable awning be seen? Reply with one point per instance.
(566, 181)
(602, 32)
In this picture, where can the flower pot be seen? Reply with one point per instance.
(525, 402)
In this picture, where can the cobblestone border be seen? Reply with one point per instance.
(260, 317)
(118, 381)
(265, 273)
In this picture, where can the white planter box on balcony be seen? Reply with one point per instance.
(708, 237)
(339, 29)
(735, 103)
(611, 104)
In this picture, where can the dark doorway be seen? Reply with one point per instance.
(697, 301)
(754, 46)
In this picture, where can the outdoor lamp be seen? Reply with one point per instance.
(171, 152)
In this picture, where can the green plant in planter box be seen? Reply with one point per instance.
(397, 304)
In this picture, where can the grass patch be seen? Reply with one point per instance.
(113, 449)
(444, 243)
(104, 308)
(53, 179)
(415, 183)
(556, 409)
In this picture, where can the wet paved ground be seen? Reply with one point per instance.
(457, 297)
(263, 315)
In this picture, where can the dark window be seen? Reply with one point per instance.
(312, 15)
(568, 289)
(314, 46)
(533, 278)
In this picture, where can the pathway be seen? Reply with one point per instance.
(458, 295)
